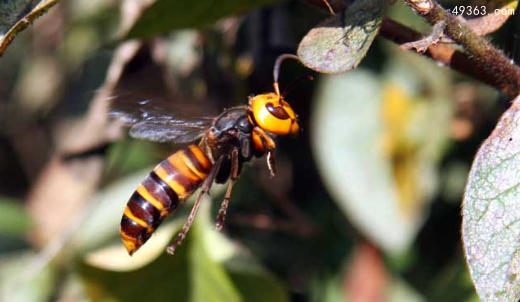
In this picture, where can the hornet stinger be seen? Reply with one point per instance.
(225, 143)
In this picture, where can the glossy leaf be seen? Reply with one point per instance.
(165, 15)
(491, 212)
(340, 43)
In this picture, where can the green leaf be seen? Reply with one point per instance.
(328, 288)
(254, 283)
(14, 220)
(189, 275)
(209, 280)
(398, 290)
(377, 151)
(166, 15)
(491, 212)
(104, 218)
(340, 42)
(21, 278)
(199, 270)
(346, 131)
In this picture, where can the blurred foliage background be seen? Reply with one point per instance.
(366, 202)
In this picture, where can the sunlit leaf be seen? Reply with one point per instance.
(116, 258)
(192, 274)
(377, 152)
(340, 43)
(18, 283)
(491, 212)
(102, 222)
(166, 15)
(354, 170)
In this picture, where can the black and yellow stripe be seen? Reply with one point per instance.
(171, 181)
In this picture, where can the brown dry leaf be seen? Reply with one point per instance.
(63, 189)
(366, 279)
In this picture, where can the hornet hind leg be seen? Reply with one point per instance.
(234, 176)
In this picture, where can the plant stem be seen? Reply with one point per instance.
(484, 55)
(24, 23)
(444, 54)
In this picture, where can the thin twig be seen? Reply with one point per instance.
(485, 56)
(266, 223)
(444, 54)
(24, 23)
(431, 39)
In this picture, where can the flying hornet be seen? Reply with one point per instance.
(224, 143)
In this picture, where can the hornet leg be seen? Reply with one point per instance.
(224, 205)
(204, 190)
(270, 145)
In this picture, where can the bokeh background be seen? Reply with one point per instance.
(365, 205)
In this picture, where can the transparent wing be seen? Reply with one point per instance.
(153, 122)
(171, 131)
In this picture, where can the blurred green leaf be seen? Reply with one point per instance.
(253, 283)
(451, 284)
(328, 289)
(398, 290)
(128, 156)
(345, 138)
(340, 43)
(372, 154)
(192, 274)
(20, 283)
(102, 224)
(165, 15)
(103, 221)
(14, 220)
(491, 212)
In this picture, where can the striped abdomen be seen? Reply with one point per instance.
(171, 181)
